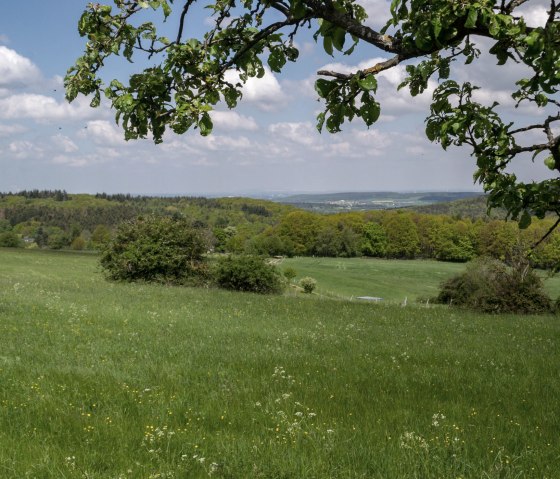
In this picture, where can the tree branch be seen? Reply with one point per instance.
(182, 19)
(339, 76)
(511, 6)
(379, 67)
(385, 42)
(548, 233)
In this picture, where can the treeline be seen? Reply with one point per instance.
(242, 225)
(401, 235)
(57, 195)
(86, 221)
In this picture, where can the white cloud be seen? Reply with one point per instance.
(371, 141)
(300, 133)
(24, 149)
(222, 142)
(534, 15)
(64, 143)
(378, 12)
(16, 70)
(44, 108)
(230, 120)
(103, 132)
(265, 92)
(4, 38)
(74, 161)
(79, 161)
(9, 130)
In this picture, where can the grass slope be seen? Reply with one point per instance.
(392, 280)
(104, 380)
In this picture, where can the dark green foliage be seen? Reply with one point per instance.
(489, 286)
(5, 226)
(58, 241)
(289, 273)
(9, 239)
(247, 273)
(157, 249)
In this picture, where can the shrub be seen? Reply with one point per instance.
(78, 243)
(157, 249)
(289, 273)
(308, 284)
(490, 286)
(9, 239)
(247, 273)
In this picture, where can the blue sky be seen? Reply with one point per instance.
(268, 144)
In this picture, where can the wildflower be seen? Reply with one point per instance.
(436, 418)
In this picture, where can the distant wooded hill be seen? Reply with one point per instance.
(366, 201)
(473, 208)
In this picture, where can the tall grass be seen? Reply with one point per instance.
(104, 380)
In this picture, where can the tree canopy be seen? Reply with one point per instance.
(188, 77)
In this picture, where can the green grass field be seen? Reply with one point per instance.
(103, 380)
(392, 280)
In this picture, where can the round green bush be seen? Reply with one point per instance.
(156, 249)
(289, 273)
(247, 273)
(308, 284)
(490, 286)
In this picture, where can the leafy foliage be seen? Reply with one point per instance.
(247, 273)
(490, 286)
(8, 239)
(189, 76)
(158, 249)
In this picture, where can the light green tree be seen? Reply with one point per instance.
(187, 77)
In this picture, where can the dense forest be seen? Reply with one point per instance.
(56, 219)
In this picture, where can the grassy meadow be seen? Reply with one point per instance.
(392, 280)
(104, 380)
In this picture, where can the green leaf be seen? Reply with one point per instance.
(338, 38)
(525, 220)
(370, 112)
(320, 121)
(205, 124)
(550, 162)
(324, 87)
(472, 17)
(431, 130)
(436, 26)
(298, 9)
(328, 45)
(368, 83)
(276, 60)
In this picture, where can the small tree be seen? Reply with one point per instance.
(159, 249)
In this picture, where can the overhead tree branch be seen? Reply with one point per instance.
(182, 19)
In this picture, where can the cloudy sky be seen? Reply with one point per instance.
(267, 145)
